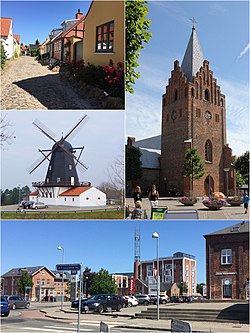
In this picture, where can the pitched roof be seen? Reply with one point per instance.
(18, 271)
(80, 20)
(150, 158)
(34, 193)
(75, 191)
(153, 142)
(17, 37)
(241, 227)
(5, 24)
(193, 58)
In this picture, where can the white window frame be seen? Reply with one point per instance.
(226, 253)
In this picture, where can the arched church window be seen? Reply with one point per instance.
(192, 92)
(207, 95)
(221, 102)
(208, 151)
(186, 91)
(175, 95)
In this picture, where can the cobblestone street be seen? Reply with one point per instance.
(27, 85)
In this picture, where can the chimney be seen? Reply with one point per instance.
(79, 14)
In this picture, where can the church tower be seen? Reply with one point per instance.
(194, 115)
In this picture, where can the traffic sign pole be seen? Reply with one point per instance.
(80, 300)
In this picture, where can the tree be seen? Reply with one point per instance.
(183, 287)
(24, 282)
(133, 164)
(193, 167)
(137, 33)
(11, 197)
(88, 278)
(5, 136)
(239, 180)
(242, 165)
(37, 42)
(103, 283)
(116, 178)
(199, 288)
(3, 55)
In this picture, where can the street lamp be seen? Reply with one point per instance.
(156, 236)
(60, 248)
(85, 286)
(226, 171)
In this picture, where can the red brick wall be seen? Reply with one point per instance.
(239, 269)
(187, 101)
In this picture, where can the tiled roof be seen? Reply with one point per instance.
(73, 26)
(18, 270)
(193, 58)
(153, 142)
(5, 26)
(76, 191)
(17, 37)
(241, 227)
(34, 193)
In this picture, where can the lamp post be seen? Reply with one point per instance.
(85, 286)
(156, 236)
(226, 171)
(60, 248)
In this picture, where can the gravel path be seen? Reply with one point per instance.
(27, 85)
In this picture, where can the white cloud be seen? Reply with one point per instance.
(246, 49)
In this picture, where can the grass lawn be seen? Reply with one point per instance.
(42, 215)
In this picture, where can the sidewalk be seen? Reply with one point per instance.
(225, 213)
(126, 318)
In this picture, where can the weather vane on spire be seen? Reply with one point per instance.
(193, 21)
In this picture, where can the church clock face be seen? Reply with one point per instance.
(208, 115)
(174, 115)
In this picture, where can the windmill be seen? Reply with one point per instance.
(63, 162)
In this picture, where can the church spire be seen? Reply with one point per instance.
(193, 58)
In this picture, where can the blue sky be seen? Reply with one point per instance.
(35, 19)
(101, 244)
(102, 136)
(222, 29)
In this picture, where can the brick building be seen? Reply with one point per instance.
(193, 115)
(227, 263)
(45, 283)
(181, 267)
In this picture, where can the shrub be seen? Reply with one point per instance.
(3, 56)
(108, 78)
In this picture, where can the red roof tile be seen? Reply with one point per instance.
(76, 191)
(5, 26)
(17, 37)
(34, 193)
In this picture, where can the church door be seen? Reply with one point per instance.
(208, 186)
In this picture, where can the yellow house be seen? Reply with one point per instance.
(104, 36)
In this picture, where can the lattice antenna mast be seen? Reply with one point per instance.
(137, 245)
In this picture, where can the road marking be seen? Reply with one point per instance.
(44, 329)
(97, 322)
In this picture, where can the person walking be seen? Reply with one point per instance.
(137, 194)
(245, 202)
(153, 196)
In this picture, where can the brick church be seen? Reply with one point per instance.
(193, 115)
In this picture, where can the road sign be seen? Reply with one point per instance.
(68, 267)
(180, 326)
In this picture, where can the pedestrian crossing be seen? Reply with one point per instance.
(85, 326)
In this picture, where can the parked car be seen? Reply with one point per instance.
(17, 302)
(75, 303)
(4, 307)
(39, 205)
(143, 299)
(162, 299)
(131, 301)
(101, 302)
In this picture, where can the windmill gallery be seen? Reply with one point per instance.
(62, 185)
